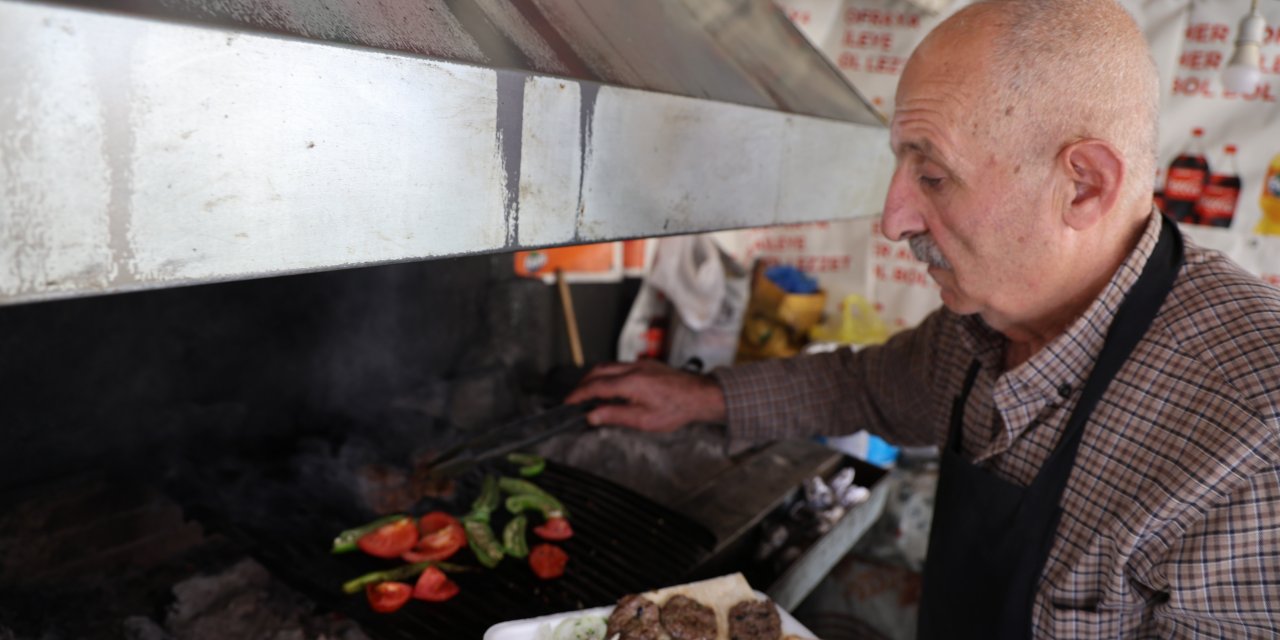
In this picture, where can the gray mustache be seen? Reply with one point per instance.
(927, 251)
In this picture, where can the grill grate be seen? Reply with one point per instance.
(623, 543)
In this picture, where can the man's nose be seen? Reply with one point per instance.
(902, 217)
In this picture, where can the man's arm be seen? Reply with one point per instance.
(887, 389)
(1223, 573)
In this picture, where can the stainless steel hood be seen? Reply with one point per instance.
(149, 143)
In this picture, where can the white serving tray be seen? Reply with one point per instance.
(528, 628)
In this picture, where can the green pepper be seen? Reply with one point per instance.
(346, 541)
(487, 501)
(399, 573)
(518, 487)
(483, 543)
(530, 464)
(549, 506)
(513, 540)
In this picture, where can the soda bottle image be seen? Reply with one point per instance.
(1270, 200)
(1187, 176)
(1217, 204)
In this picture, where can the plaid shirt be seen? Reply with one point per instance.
(1171, 523)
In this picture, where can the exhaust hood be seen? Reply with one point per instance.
(155, 143)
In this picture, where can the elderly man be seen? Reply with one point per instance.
(1106, 395)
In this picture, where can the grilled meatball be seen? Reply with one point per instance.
(687, 619)
(754, 620)
(635, 618)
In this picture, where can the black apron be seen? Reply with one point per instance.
(990, 538)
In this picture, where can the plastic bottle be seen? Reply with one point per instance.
(1269, 202)
(1217, 204)
(1187, 176)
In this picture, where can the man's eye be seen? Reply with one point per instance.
(931, 182)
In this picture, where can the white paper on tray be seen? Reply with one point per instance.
(528, 629)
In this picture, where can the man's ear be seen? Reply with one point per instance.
(1096, 172)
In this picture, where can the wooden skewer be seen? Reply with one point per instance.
(570, 319)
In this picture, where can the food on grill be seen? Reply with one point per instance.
(635, 617)
(442, 536)
(555, 530)
(390, 540)
(530, 465)
(404, 572)
(518, 487)
(434, 586)
(487, 501)
(548, 561)
(526, 496)
(754, 620)
(687, 619)
(479, 535)
(385, 597)
(346, 541)
(483, 543)
(513, 541)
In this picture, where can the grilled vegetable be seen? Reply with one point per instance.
(530, 464)
(547, 561)
(346, 541)
(483, 543)
(390, 540)
(548, 506)
(442, 536)
(513, 537)
(385, 597)
(399, 573)
(517, 487)
(434, 586)
(487, 501)
(555, 529)
(581, 628)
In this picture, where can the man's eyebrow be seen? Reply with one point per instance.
(921, 147)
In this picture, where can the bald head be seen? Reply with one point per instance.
(1057, 71)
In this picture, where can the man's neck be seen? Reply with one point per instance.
(1027, 338)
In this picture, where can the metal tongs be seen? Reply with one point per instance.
(493, 443)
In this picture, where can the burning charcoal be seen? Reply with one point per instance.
(853, 496)
(828, 518)
(842, 481)
(818, 494)
(141, 628)
(771, 540)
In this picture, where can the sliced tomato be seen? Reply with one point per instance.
(555, 529)
(442, 536)
(547, 561)
(434, 586)
(385, 597)
(390, 540)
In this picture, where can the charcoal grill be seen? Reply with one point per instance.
(623, 543)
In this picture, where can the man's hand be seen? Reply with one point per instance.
(656, 397)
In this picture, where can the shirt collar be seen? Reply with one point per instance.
(1058, 370)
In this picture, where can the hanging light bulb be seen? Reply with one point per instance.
(1244, 70)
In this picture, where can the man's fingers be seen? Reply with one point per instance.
(607, 370)
(626, 415)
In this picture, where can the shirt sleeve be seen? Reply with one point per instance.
(881, 389)
(1224, 572)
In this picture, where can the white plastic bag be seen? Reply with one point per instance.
(708, 291)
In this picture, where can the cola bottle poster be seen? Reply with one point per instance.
(1186, 179)
(1217, 204)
